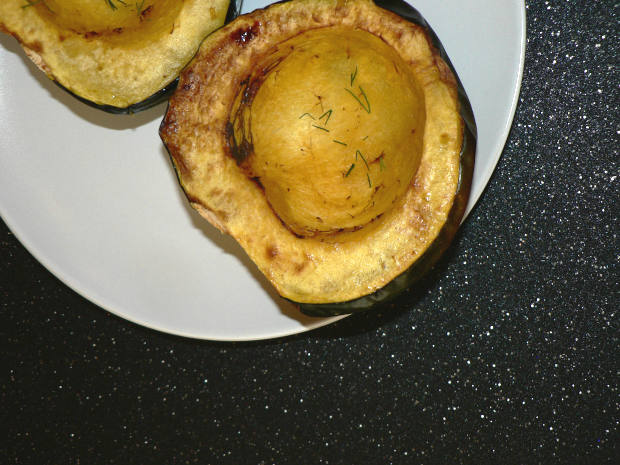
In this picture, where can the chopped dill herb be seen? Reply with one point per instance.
(121, 2)
(365, 137)
(358, 153)
(30, 3)
(350, 169)
(365, 107)
(112, 5)
(369, 183)
(381, 163)
(353, 76)
(340, 142)
(139, 7)
(306, 114)
(329, 115)
(321, 128)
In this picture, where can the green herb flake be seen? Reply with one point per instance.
(30, 3)
(368, 177)
(353, 76)
(381, 164)
(306, 114)
(358, 153)
(349, 171)
(365, 107)
(329, 115)
(340, 142)
(320, 127)
(112, 5)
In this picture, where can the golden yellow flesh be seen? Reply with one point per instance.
(337, 129)
(111, 52)
(322, 268)
(104, 16)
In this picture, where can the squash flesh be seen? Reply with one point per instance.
(104, 18)
(328, 158)
(319, 269)
(117, 57)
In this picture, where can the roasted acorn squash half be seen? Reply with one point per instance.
(119, 55)
(326, 137)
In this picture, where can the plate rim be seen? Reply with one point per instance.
(94, 298)
(501, 140)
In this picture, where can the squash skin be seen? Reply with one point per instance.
(158, 97)
(122, 90)
(221, 211)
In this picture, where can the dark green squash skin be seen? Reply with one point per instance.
(466, 169)
(161, 95)
(158, 97)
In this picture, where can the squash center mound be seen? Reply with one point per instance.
(109, 18)
(337, 127)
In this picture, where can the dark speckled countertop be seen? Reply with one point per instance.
(508, 353)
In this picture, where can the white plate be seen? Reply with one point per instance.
(94, 198)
